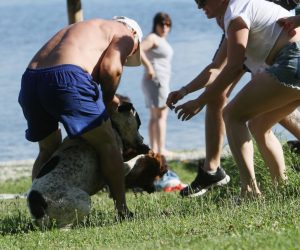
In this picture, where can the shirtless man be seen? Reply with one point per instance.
(61, 85)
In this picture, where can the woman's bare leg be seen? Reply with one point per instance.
(152, 129)
(261, 95)
(292, 123)
(268, 144)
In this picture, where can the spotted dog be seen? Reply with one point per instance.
(61, 191)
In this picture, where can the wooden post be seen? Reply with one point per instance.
(75, 13)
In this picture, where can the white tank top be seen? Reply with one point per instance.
(260, 17)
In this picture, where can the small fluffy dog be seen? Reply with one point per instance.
(61, 191)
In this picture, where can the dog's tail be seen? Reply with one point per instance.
(37, 204)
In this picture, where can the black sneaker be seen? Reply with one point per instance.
(294, 146)
(205, 181)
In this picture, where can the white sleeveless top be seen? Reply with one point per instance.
(260, 17)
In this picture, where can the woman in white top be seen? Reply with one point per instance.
(252, 32)
(157, 59)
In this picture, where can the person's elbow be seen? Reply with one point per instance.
(235, 68)
(111, 71)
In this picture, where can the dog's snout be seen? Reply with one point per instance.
(143, 149)
(37, 204)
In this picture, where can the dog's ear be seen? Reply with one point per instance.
(125, 106)
(161, 159)
(37, 204)
(123, 98)
(146, 170)
(128, 107)
(163, 168)
(129, 153)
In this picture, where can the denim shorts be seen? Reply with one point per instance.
(64, 93)
(286, 67)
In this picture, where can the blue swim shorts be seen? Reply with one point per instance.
(64, 93)
(286, 67)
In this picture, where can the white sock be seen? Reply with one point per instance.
(212, 172)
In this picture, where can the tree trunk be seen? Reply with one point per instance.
(75, 13)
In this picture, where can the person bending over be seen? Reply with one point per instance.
(211, 174)
(73, 79)
(272, 92)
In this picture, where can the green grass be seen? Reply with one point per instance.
(166, 221)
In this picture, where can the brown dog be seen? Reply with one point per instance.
(146, 169)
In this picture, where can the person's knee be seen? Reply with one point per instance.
(254, 126)
(217, 104)
(231, 115)
(232, 112)
(257, 128)
(49, 145)
(227, 114)
(154, 119)
(156, 115)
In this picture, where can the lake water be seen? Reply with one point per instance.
(26, 25)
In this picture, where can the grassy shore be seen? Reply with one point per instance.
(166, 221)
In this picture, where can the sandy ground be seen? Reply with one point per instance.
(14, 170)
(17, 169)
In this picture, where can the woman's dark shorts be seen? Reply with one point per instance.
(286, 67)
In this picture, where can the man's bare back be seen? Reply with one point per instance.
(82, 44)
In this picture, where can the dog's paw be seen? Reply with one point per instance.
(124, 215)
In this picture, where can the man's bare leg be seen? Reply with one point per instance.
(215, 129)
(214, 135)
(47, 147)
(104, 142)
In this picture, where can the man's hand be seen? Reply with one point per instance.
(187, 110)
(112, 107)
(174, 97)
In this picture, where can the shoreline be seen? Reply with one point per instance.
(12, 170)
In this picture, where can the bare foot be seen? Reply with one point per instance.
(168, 153)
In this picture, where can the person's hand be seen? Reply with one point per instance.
(174, 97)
(150, 73)
(288, 24)
(112, 107)
(187, 110)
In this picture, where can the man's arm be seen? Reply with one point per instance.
(111, 67)
(237, 42)
(238, 38)
(208, 75)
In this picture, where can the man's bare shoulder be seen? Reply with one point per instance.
(104, 24)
